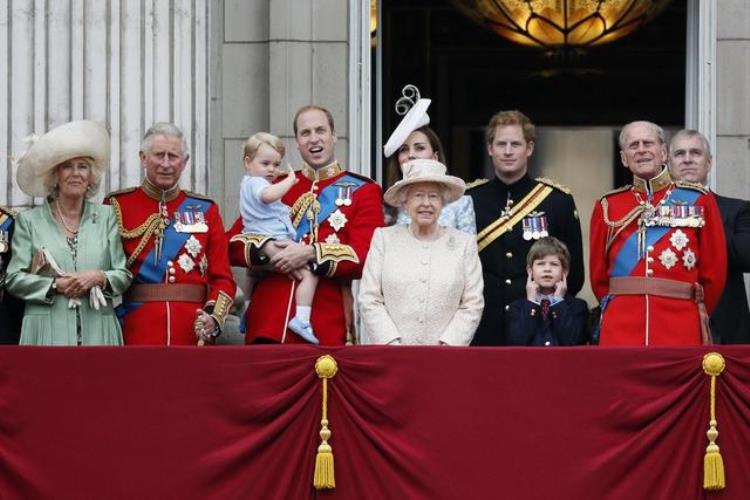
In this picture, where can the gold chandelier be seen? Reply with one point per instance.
(556, 24)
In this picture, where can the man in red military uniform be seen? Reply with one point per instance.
(174, 240)
(334, 213)
(658, 257)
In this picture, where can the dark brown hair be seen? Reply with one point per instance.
(393, 169)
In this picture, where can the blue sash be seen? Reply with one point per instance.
(153, 272)
(627, 258)
(327, 200)
(6, 222)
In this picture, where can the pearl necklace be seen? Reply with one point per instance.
(62, 219)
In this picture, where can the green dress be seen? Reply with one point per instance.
(47, 319)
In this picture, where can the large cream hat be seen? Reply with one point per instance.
(415, 116)
(424, 170)
(82, 138)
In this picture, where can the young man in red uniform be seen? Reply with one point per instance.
(658, 257)
(334, 213)
(183, 287)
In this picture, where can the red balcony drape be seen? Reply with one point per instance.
(407, 422)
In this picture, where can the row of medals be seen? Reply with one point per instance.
(673, 216)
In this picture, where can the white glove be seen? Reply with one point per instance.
(96, 298)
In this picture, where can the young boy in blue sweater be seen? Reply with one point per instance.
(548, 316)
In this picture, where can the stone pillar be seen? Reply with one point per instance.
(733, 114)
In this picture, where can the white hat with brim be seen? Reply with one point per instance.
(424, 170)
(415, 118)
(77, 139)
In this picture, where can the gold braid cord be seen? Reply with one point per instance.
(146, 230)
(616, 227)
(299, 209)
(713, 463)
(324, 477)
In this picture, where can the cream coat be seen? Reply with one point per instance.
(421, 292)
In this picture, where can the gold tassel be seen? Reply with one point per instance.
(713, 463)
(324, 478)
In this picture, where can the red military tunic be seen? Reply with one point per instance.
(671, 247)
(350, 209)
(193, 251)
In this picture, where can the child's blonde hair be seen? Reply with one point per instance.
(256, 140)
(549, 245)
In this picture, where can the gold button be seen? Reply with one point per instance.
(649, 259)
(649, 271)
(507, 282)
(650, 248)
(509, 255)
(507, 307)
(171, 270)
(171, 279)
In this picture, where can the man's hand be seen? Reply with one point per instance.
(291, 258)
(205, 327)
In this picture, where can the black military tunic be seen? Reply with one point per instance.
(504, 258)
(11, 309)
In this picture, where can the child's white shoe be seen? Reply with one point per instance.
(304, 330)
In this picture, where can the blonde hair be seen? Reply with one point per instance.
(255, 141)
(95, 176)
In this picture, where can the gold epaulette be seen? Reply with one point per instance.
(696, 186)
(8, 211)
(193, 194)
(122, 191)
(551, 183)
(618, 190)
(476, 182)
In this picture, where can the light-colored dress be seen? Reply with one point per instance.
(458, 214)
(47, 319)
(423, 292)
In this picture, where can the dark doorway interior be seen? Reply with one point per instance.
(470, 72)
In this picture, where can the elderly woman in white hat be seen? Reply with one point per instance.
(422, 281)
(414, 139)
(68, 262)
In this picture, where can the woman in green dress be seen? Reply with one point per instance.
(68, 300)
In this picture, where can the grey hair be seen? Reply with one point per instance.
(95, 180)
(403, 194)
(657, 128)
(688, 133)
(163, 128)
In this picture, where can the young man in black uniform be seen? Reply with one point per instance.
(513, 211)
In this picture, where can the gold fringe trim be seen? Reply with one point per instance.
(324, 477)
(713, 463)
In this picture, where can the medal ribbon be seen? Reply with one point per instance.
(327, 200)
(627, 258)
(152, 271)
(517, 213)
